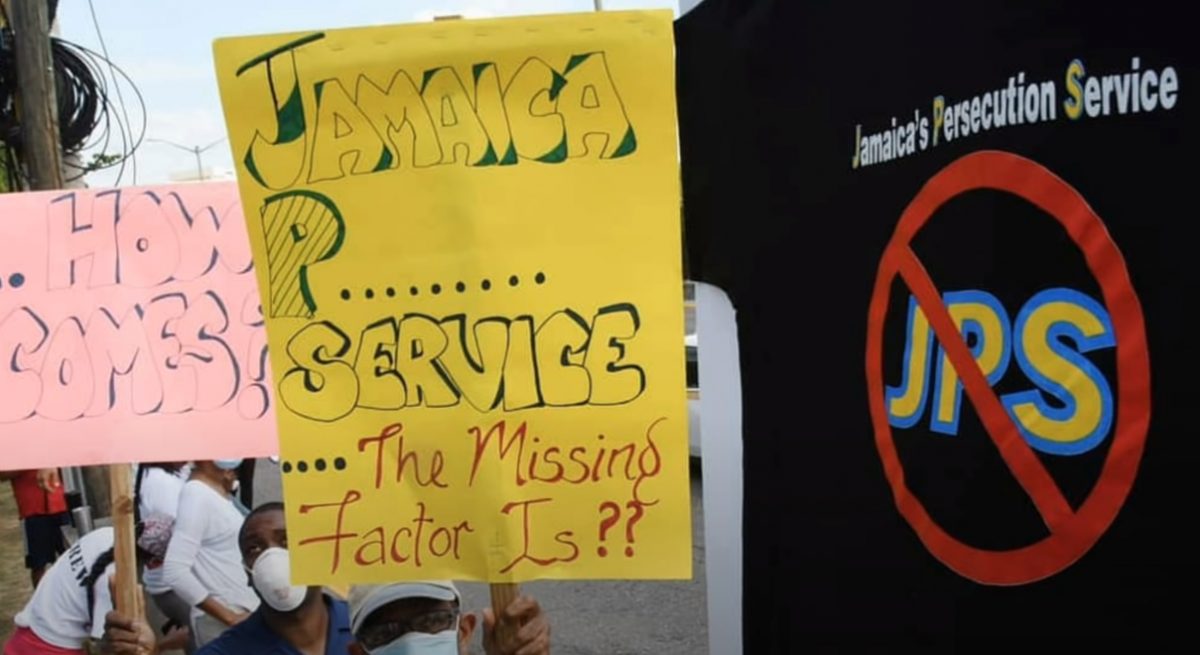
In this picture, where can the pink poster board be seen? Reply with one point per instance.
(130, 328)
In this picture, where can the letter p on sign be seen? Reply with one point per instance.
(301, 229)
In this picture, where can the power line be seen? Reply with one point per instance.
(87, 119)
(120, 98)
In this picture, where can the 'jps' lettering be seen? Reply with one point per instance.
(1069, 411)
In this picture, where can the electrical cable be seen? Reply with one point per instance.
(120, 98)
(88, 116)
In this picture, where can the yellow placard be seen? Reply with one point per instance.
(467, 239)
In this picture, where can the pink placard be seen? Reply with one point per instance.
(130, 328)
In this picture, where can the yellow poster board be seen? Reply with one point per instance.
(467, 239)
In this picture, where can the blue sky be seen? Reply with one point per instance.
(166, 48)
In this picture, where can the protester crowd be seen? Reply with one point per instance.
(219, 573)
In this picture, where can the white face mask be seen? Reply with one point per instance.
(272, 578)
(421, 643)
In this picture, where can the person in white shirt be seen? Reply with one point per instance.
(72, 599)
(157, 491)
(158, 486)
(203, 565)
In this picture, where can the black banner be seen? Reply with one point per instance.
(958, 238)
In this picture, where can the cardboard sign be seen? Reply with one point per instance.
(468, 239)
(130, 328)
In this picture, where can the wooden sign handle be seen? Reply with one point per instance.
(503, 595)
(127, 593)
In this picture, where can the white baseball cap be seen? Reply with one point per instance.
(365, 600)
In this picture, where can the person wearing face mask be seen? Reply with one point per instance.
(291, 620)
(203, 565)
(424, 618)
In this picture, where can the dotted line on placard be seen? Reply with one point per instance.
(370, 293)
(16, 280)
(319, 465)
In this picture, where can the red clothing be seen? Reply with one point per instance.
(32, 500)
(25, 642)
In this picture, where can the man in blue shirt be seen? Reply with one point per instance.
(291, 620)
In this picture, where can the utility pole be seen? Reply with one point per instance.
(40, 144)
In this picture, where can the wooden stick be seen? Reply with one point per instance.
(128, 596)
(503, 594)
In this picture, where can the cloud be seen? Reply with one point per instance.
(150, 71)
(193, 125)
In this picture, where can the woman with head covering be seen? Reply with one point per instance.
(73, 597)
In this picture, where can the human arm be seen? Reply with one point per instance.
(220, 612)
(175, 640)
(48, 479)
(525, 629)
